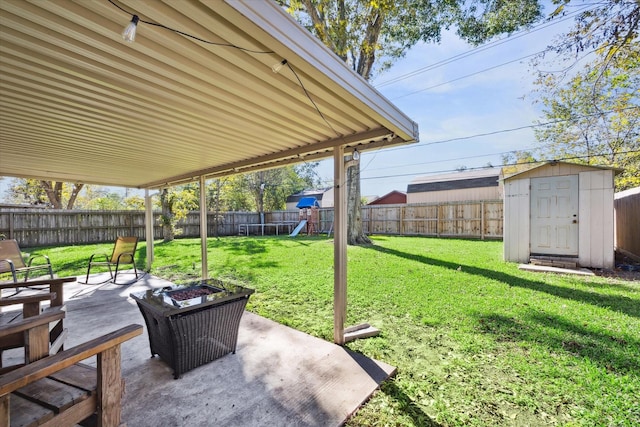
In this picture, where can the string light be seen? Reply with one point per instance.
(129, 33)
(276, 68)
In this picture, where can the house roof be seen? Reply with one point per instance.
(389, 198)
(78, 104)
(315, 193)
(453, 176)
(456, 181)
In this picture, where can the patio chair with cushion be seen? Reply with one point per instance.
(11, 260)
(124, 252)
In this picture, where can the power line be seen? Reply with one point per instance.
(470, 75)
(478, 135)
(478, 49)
(509, 164)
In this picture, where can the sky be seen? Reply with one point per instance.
(472, 94)
(446, 105)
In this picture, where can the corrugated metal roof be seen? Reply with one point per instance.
(79, 104)
(455, 176)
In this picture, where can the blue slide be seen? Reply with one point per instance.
(298, 228)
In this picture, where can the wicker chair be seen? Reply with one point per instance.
(11, 260)
(124, 252)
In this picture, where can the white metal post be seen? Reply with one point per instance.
(203, 228)
(339, 246)
(148, 222)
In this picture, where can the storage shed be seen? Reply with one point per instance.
(560, 210)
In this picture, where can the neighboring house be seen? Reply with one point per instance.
(484, 184)
(392, 198)
(560, 209)
(324, 196)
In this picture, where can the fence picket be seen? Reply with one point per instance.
(31, 227)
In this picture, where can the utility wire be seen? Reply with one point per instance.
(478, 135)
(470, 75)
(478, 49)
(509, 164)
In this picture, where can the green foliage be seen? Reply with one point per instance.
(608, 27)
(595, 116)
(53, 194)
(517, 161)
(27, 191)
(263, 190)
(371, 35)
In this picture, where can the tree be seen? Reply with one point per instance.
(371, 35)
(609, 28)
(593, 117)
(517, 161)
(270, 188)
(54, 194)
(175, 204)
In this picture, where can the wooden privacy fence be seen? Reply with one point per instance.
(475, 219)
(627, 212)
(38, 227)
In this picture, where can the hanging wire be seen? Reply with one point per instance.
(190, 35)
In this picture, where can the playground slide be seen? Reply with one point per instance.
(295, 232)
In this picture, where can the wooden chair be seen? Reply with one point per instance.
(31, 306)
(11, 260)
(32, 333)
(124, 252)
(59, 391)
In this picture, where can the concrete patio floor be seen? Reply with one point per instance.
(278, 377)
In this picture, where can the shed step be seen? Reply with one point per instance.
(549, 261)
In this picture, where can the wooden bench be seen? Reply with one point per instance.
(59, 391)
(33, 334)
(31, 306)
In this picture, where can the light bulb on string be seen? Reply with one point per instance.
(129, 33)
(276, 68)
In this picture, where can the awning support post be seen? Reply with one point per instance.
(148, 223)
(203, 228)
(339, 246)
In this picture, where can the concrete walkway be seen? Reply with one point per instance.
(278, 376)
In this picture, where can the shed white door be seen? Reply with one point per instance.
(554, 215)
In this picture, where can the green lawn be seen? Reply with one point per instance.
(476, 341)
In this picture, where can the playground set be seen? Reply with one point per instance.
(308, 216)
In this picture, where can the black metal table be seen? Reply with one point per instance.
(191, 333)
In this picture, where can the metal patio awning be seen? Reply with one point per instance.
(78, 104)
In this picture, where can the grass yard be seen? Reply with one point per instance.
(476, 341)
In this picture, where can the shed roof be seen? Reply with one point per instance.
(78, 104)
(581, 166)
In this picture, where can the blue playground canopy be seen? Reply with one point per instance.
(308, 202)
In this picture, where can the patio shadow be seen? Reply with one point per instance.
(617, 303)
